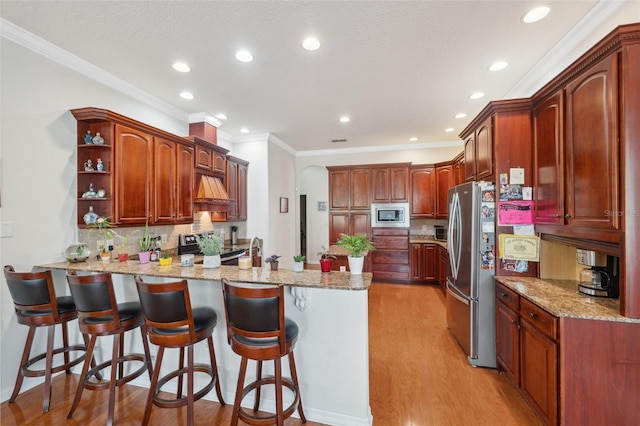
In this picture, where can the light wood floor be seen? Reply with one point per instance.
(419, 377)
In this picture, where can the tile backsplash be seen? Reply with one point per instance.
(424, 226)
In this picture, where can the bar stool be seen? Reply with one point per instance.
(257, 329)
(36, 306)
(173, 323)
(100, 315)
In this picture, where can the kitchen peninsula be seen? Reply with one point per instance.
(332, 354)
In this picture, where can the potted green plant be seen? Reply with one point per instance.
(123, 246)
(273, 261)
(298, 263)
(325, 259)
(165, 260)
(146, 245)
(107, 232)
(210, 246)
(358, 246)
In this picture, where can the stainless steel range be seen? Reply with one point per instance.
(188, 244)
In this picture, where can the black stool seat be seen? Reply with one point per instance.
(173, 323)
(257, 329)
(126, 311)
(36, 305)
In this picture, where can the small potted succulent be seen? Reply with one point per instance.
(298, 263)
(358, 246)
(211, 245)
(325, 259)
(273, 261)
(165, 260)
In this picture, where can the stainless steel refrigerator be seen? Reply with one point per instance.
(470, 298)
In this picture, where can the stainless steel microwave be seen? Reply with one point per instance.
(390, 215)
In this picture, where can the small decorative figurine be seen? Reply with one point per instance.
(90, 193)
(101, 193)
(87, 138)
(90, 217)
(88, 166)
(97, 139)
(100, 166)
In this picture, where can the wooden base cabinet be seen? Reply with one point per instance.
(423, 262)
(443, 266)
(390, 259)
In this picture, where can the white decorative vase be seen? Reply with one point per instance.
(298, 266)
(356, 264)
(211, 261)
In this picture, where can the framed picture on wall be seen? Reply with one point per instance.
(284, 205)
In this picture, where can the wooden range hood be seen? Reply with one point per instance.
(212, 195)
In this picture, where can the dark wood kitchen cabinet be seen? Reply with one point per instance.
(147, 175)
(390, 184)
(458, 169)
(527, 350)
(350, 223)
(444, 181)
(478, 152)
(443, 266)
(423, 188)
(390, 259)
(236, 183)
(349, 188)
(423, 262)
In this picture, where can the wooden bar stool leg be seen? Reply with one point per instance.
(116, 365)
(23, 361)
(256, 403)
(214, 366)
(239, 388)
(180, 379)
(47, 369)
(85, 368)
(279, 408)
(147, 352)
(152, 387)
(190, 388)
(65, 344)
(294, 377)
(120, 357)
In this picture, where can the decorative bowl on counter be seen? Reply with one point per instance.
(78, 252)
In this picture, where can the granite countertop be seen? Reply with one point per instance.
(308, 278)
(562, 299)
(425, 239)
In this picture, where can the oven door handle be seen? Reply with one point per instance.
(232, 257)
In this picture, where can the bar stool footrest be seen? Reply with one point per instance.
(26, 372)
(248, 417)
(179, 402)
(104, 384)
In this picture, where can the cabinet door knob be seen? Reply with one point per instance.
(557, 216)
(567, 216)
(503, 294)
(532, 314)
(513, 321)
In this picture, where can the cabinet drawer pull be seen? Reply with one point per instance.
(532, 314)
(503, 294)
(567, 216)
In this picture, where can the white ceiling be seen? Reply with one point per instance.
(397, 68)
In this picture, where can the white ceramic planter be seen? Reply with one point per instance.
(298, 266)
(356, 264)
(211, 261)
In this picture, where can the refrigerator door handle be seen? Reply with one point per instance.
(456, 247)
(456, 294)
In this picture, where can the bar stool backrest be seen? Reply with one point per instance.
(255, 315)
(167, 312)
(33, 293)
(95, 301)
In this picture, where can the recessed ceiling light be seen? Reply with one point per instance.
(187, 95)
(476, 95)
(413, 139)
(244, 56)
(244, 130)
(497, 66)
(221, 116)
(181, 66)
(460, 115)
(311, 43)
(449, 129)
(534, 15)
(344, 119)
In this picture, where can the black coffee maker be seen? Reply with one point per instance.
(601, 278)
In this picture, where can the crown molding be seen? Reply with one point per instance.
(382, 148)
(203, 117)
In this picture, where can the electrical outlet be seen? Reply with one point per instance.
(100, 244)
(163, 238)
(424, 227)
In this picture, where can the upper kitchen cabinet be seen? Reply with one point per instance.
(147, 173)
(498, 139)
(423, 188)
(444, 181)
(349, 188)
(237, 171)
(458, 169)
(390, 184)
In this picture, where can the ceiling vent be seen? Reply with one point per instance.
(338, 140)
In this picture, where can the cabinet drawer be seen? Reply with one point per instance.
(539, 318)
(391, 256)
(507, 296)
